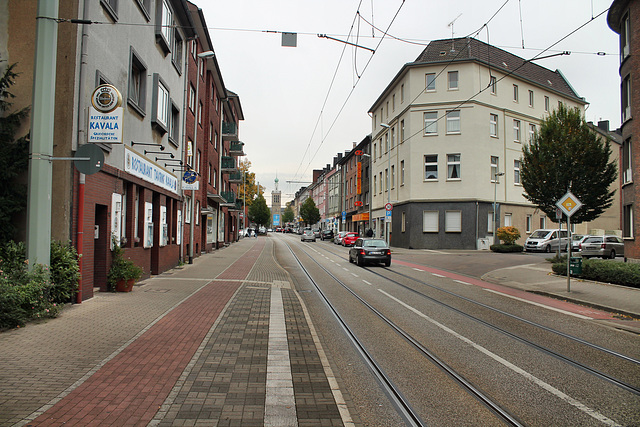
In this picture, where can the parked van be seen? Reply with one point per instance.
(546, 240)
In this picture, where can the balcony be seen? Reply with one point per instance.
(228, 165)
(236, 148)
(237, 207)
(235, 177)
(229, 131)
(230, 199)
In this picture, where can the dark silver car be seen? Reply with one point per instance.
(602, 246)
(308, 235)
(370, 250)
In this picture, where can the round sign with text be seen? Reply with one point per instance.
(106, 98)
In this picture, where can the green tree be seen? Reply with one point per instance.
(566, 154)
(259, 212)
(309, 212)
(248, 189)
(288, 215)
(14, 155)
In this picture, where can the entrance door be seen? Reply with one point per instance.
(100, 247)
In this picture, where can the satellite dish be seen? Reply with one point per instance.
(95, 158)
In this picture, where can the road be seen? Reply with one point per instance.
(538, 367)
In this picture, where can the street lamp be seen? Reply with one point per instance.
(201, 55)
(388, 177)
(495, 196)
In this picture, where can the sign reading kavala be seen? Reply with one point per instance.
(105, 116)
(138, 166)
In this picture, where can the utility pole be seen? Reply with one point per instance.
(41, 150)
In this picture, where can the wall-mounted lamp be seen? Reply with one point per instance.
(159, 152)
(146, 143)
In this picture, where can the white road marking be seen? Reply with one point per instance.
(461, 282)
(354, 275)
(417, 269)
(367, 282)
(437, 275)
(579, 316)
(548, 387)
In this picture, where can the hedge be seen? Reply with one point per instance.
(598, 270)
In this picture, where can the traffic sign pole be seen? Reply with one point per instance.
(569, 204)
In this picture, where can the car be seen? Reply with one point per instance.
(308, 235)
(316, 231)
(338, 237)
(350, 238)
(370, 250)
(544, 240)
(607, 246)
(577, 240)
(326, 234)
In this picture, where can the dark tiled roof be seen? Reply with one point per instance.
(469, 49)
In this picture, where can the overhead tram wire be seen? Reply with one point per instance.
(356, 84)
(512, 71)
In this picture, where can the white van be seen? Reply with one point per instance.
(544, 240)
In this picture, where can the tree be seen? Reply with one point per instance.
(309, 212)
(14, 157)
(248, 189)
(288, 215)
(259, 212)
(567, 155)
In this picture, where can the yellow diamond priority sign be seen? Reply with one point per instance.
(569, 204)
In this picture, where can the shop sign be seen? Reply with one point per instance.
(149, 171)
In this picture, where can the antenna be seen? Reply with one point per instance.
(453, 49)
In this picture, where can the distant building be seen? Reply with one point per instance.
(276, 206)
(623, 19)
(447, 137)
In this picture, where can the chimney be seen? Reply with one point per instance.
(604, 125)
(316, 174)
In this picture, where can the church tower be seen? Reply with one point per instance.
(276, 207)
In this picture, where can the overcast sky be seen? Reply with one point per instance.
(303, 105)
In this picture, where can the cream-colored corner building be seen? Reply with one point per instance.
(442, 131)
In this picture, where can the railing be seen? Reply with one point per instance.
(230, 197)
(229, 130)
(228, 164)
(235, 177)
(236, 148)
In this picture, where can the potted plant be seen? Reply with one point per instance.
(123, 272)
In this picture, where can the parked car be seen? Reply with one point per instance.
(338, 237)
(326, 234)
(317, 232)
(547, 240)
(350, 238)
(308, 235)
(367, 250)
(602, 246)
(577, 240)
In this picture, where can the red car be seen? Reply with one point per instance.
(349, 239)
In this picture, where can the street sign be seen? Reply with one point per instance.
(388, 207)
(190, 176)
(388, 216)
(95, 156)
(569, 204)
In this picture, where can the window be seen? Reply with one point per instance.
(111, 7)
(516, 130)
(493, 125)
(145, 7)
(393, 102)
(137, 82)
(198, 158)
(375, 184)
(197, 213)
(401, 131)
(402, 172)
(190, 153)
(174, 132)
(627, 221)
(493, 84)
(627, 163)
(387, 109)
(393, 134)
(516, 172)
(626, 98)
(431, 123)
(453, 121)
(210, 132)
(508, 222)
(430, 221)
(386, 142)
(380, 189)
(194, 49)
(452, 79)
(215, 140)
(209, 173)
(532, 131)
(453, 166)
(393, 176)
(401, 93)
(160, 112)
(386, 179)
(430, 82)
(490, 217)
(403, 223)
(527, 225)
(531, 98)
(453, 221)
(200, 113)
(515, 93)
(431, 167)
(176, 54)
(164, 26)
(375, 149)
(192, 99)
(546, 104)
(494, 168)
(624, 38)
(543, 222)
(187, 209)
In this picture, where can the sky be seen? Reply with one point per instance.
(303, 105)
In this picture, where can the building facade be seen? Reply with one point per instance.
(447, 137)
(623, 18)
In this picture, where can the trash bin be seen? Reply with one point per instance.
(575, 266)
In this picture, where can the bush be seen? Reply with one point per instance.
(504, 248)
(618, 273)
(508, 234)
(27, 295)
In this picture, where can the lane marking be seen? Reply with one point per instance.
(367, 282)
(437, 275)
(461, 282)
(418, 269)
(579, 316)
(548, 387)
(354, 275)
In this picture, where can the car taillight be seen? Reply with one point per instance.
(388, 252)
(362, 252)
(603, 246)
